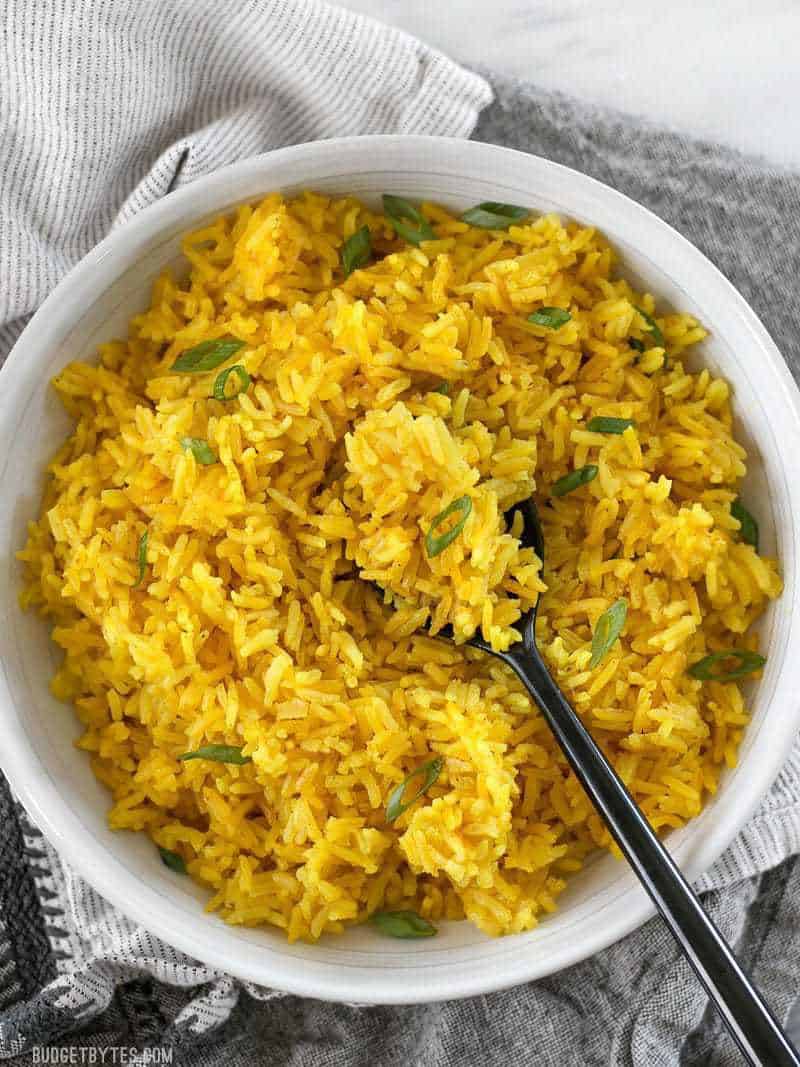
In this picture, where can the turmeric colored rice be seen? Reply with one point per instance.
(285, 586)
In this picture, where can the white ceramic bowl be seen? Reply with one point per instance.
(53, 779)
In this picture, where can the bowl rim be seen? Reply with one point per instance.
(164, 917)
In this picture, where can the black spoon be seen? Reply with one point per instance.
(750, 1022)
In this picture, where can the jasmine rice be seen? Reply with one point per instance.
(302, 454)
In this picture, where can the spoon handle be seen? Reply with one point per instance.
(752, 1025)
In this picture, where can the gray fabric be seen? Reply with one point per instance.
(200, 83)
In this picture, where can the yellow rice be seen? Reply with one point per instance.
(253, 628)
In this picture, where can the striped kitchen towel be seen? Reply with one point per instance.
(106, 105)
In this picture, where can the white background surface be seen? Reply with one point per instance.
(724, 69)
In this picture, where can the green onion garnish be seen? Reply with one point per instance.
(404, 924)
(200, 448)
(408, 221)
(217, 753)
(141, 558)
(433, 544)
(749, 526)
(492, 216)
(608, 628)
(748, 662)
(552, 318)
(636, 344)
(428, 772)
(172, 860)
(356, 251)
(574, 480)
(222, 380)
(653, 327)
(444, 389)
(604, 424)
(207, 355)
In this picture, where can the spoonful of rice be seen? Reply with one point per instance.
(742, 1008)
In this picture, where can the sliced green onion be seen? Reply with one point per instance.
(608, 628)
(172, 860)
(222, 380)
(749, 526)
(408, 221)
(493, 216)
(574, 480)
(636, 344)
(357, 251)
(433, 544)
(217, 753)
(604, 424)
(443, 389)
(748, 662)
(552, 318)
(200, 448)
(428, 772)
(207, 355)
(653, 327)
(142, 558)
(404, 924)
